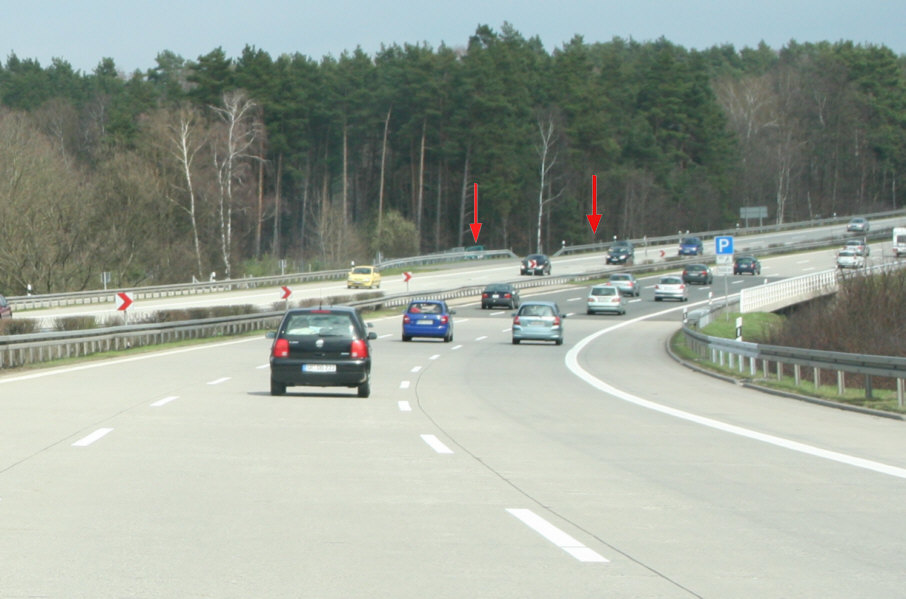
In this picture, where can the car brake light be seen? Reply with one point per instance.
(358, 349)
(406, 319)
(556, 321)
(484, 295)
(281, 348)
(515, 320)
(444, 319)
(508, 295)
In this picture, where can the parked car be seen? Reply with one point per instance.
(428, 318)
(536, 264)
(847, 258)
(748, 264)
(670, 287)
(858, 245)
(621, 252)
(538, 321)
(321, 347)
(626, 283)
(500, 294)
(605, 298)
(691, 246)
(698, 273)
(363, 276)
(6, 311)
(858, 225)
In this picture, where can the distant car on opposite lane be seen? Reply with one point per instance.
(621, 252)
(691, 246)
(428, 318)
(626, 283)
(538, 321)
(500, 294)
(858, 225)
(535, 264)
(363, 276)
(6, 311)
(698, 273)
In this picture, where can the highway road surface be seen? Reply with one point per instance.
(477, 468)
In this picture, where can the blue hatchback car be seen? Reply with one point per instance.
(428, 318)
(691, 246)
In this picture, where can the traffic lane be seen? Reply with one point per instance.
(224, 490)
(647, 485)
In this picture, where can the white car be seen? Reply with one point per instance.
(605, 298)
(848, 258)
(671, 287)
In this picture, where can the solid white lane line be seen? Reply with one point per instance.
(404, 406)
(436, 444)
(164, 401)
(404, 384)
(218, 381)
(572, 362)
(86, 441)
(557, 536)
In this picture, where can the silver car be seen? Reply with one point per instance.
(538, 321)
(605, 298)
(626, 283)
(848, 258)
(670, 287)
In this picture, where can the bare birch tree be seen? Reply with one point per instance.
(231, 155)
(547, 154)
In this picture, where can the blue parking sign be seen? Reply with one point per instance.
(723, 245)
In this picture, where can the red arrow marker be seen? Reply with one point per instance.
(475, 226)
(123, 301)
(407, 276)
(594, 218)
(286, 292)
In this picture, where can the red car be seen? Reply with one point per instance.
(6, 311)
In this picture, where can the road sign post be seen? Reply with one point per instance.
(723, 249)
(123, 301)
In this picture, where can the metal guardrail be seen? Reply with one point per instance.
(745, 357)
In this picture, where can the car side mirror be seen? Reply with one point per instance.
(452, 311)
(563, 316)
(372, 335)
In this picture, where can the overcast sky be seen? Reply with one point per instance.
(134, 32)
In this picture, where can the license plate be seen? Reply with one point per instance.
(425, 322)
(496, 295)
(319, 368)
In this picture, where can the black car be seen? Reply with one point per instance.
(500, 294)
(621, 252)
(748, 264)
(698, 273)
(535, 264)
(321, 347)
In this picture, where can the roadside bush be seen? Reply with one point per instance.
(18, 326)
(74, 323)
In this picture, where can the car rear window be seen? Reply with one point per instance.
(425, 308)
(619, 277)
(535, 310)
(603, 291)
(322, 324)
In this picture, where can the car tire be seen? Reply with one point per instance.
(278, 388)
(364, 390)
(589, 312)
(515, 341)
(558, 341)
(448, 338)
(407, 338)
(657, 299)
